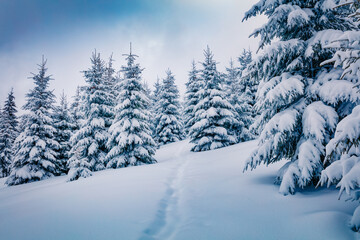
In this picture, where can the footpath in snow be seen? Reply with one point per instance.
(185, 196)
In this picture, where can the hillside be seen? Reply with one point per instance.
(185, 196)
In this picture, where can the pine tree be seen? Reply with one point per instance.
(22, 122)
(110, 81)
(214, 116)
(8, 134)
(147, 90)
(244, 59)
(248, 86)
(75, 109)
(35, 148)
(155, 106)
(130, 142)
(157, 91)
(111, 92)
(193, 86)
(169, 127)
(343, 151)
(64, 125)
(298, 114)
(238, 98)
(89, 142)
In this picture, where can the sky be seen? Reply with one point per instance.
(165, 34)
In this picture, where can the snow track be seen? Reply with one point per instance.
(186, 195)
(168, 218)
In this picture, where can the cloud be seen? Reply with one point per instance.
(165, 34)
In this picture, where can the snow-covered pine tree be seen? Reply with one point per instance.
(193, 85)
(299, 112)
(64, 125)
(248, 88)
(147, 90)
(155, 105)
(35, 147)
(130, 141)
(8, 134)
(22, 122)
(89, 142)
(151, 107)
(238, 98)
(110, 81)
(343, 151)
(244, 60)
(169, 127)
(75, 109)
(248, 114)
(214, 115)
(157, 90)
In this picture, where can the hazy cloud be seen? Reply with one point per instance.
(165, 34)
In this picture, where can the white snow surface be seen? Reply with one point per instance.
(185, 195)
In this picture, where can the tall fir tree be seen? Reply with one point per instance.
(343, 151)
(169, 127)
(214, 115)
(236, 95)
(248, 86)
(64, 125)
(8, 134)
(244, 60)
(89, 142)
(147, 90)
(76, 110)
(35, 148)
(298, 114)
(155, 105)
(157, 91)
(193, 86)
(130, 141)
(110, 81)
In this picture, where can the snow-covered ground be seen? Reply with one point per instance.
(185, 196)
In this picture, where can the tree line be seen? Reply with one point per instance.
(116, 121)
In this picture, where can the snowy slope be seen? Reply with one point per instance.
(185, 196)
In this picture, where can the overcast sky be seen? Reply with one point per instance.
(164, 33)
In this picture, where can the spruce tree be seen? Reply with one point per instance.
(155, 105)
(235, 94)
(89, 142)
(193, 86)
(130, 141)
(64, 125)
(297, 119)
(214, 115)
(8, 134)
(147, 90)
(343, 151)
(157, 91)
(35, 147)
(169, 127)
(248, 86)
(110, 81)
(244, 60)
(75, 109)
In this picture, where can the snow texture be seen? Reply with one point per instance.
(185, 196)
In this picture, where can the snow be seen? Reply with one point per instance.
(317, 118)
(298, 16)
(285, 87)
(186, 195)
(325, 37)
